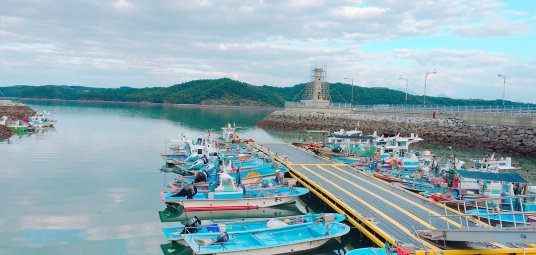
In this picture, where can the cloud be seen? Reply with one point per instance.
(140, 44)
(490, 28)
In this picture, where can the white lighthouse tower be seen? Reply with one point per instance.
(316, 92)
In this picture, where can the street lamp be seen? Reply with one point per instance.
(402, 78)
(346, 78)
(504, 85)
(425, 76)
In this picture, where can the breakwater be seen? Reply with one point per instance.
(448, 131)
(15, 111)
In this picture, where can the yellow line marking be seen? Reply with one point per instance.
(403, 198)
(424, 223)
(394, 222)
(505, 250)
(327, 164)
(370, 235)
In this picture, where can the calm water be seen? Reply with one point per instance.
(91, 186)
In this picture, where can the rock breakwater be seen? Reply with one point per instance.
(450, 131)
(15, 111)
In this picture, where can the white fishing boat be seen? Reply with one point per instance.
(41, 120)
(492, 164)
(228, 196)
(229, 135)
(286, 240)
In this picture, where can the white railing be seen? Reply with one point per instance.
(485, 210)
(494, 110)
(512, 110)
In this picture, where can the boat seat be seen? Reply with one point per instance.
(263, 235)
(266, 238)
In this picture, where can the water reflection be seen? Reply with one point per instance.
(174, 213)
(174, 248)
(194, 117)
(19, 137)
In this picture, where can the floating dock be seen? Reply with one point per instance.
(381, 211)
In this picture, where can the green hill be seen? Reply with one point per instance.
(230, 92)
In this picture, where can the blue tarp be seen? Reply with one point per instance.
(492, 176)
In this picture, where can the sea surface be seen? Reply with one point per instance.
(91, 185)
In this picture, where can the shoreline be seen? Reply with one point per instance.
(155, 104)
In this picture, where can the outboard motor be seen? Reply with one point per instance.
(197, 165)
(279, 177)
(222, 237)
(191, 226)
(201, 176)
(189, 190)
(192, 157)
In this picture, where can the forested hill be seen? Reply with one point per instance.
(229, 92)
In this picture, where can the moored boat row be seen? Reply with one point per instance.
(226, 175)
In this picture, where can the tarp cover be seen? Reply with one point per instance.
(492, 176)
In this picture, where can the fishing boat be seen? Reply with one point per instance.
(228, 196)
(492, 164)
(229, 135)
(368, 251)
(14, 125)
(254, 175)
(379, 251)
(352, 143)
(176, 213)
(386, 176)
(289, 239)
(41, 120)
(195, 225)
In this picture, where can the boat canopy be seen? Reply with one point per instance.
(505, 177)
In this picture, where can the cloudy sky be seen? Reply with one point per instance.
(138, 43)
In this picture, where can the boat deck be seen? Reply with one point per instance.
(381, 211)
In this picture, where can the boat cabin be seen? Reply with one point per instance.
(491, 164)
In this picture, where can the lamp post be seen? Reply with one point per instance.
(425, 76)
(504, 85)
(352, 100)
(402, 78)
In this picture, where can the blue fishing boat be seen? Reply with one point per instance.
(501, 218)
(265, 173)
(195, 225)
(368, 251)
(228, 196)
(378, 251)
(292, 238)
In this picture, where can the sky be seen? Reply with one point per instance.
(372, 43)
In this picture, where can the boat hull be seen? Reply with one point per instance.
(175, 233)
(286, 240)
(175, 213)
(262, 198)
(283, 249)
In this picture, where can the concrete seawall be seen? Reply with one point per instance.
(448, 130)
